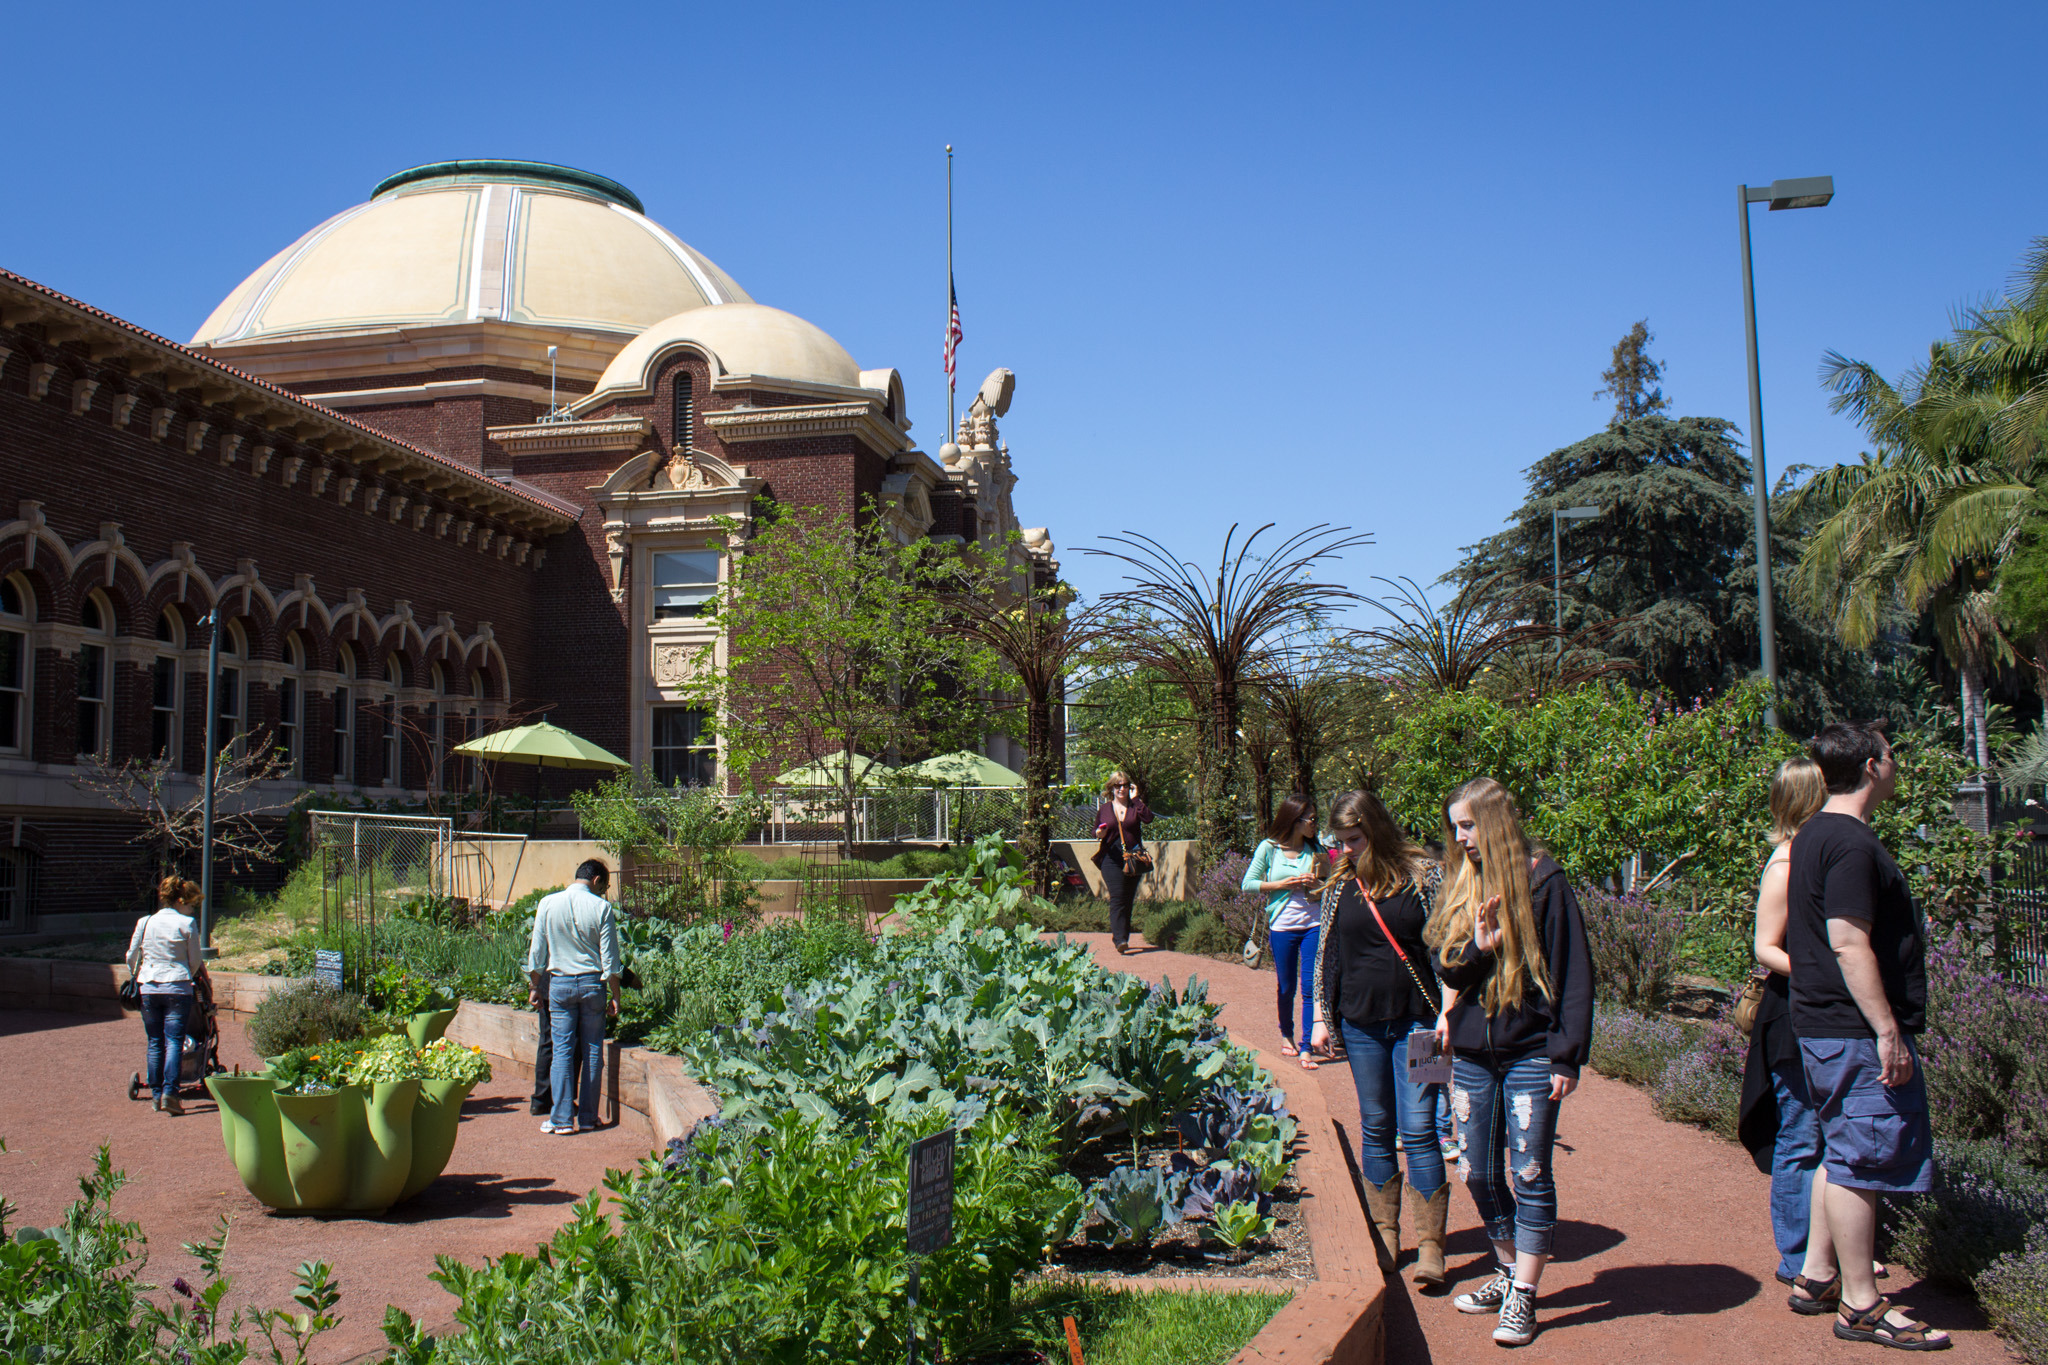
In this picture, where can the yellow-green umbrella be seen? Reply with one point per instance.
(965, 768)
(544, 746)
(830, 771)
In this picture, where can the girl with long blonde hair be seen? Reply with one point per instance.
(1374, 987)
(1509, 939)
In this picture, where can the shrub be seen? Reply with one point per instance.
(1160, 921)
(1085, 916)
(1219, 890)
(303, 1014)
(1635, 1047)
(1634, 942)
(1703, 1083)
(1985, 1050)
(1205, 934)
(2014, 1292)
(1983, 1202)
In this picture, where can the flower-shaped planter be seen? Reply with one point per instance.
(357, 1149)
(425, 1028)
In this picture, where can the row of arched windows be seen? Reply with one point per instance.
(382, 727)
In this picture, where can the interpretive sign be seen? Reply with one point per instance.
(931, 1192)
(327, 967)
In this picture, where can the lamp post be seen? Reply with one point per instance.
(1808, 192)
(206, 949)
(1559, 515)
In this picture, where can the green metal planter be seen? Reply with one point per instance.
(425, 1028)
(355, 1150)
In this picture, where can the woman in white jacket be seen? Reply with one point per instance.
(164, 961)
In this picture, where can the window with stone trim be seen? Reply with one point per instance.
(14, 665)
(291, 706)
(95, 680)
(344, 716)
(230, 731)
(684, 582)
(393, 751)
(165, 676)
(684, 753)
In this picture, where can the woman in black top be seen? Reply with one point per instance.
(1117, 831)
(1374, 986)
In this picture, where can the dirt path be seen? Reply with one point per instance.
(1663, 1246)
(506, 1188)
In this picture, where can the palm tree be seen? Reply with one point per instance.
(1207, 633)
(1923, 522)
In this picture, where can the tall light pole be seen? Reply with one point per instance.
(212, 622)
(1559, 515)
(1809, 192)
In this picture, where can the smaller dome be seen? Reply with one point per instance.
(744, 338)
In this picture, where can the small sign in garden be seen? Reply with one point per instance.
(327, 967)
(931, 1192)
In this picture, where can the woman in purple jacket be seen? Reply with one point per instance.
(1117, 831)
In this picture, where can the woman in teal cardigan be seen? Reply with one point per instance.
(1285, 868)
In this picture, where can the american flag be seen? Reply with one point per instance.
(953, 333)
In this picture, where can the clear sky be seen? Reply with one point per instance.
(1358, 263)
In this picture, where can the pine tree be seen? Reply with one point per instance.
(1632, 378)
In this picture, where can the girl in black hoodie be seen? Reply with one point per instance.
(1510, 941)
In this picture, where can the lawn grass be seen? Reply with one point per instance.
(1126, 1327)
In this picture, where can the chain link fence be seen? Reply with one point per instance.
(371, 867)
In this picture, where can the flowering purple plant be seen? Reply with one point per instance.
(1220, 891)
(1634, 941)
(1985, 1051)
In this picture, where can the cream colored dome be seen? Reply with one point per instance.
(745, 338)
(459, 241)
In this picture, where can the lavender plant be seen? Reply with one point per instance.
(1703, 1084)
(1630, 1046)
(1983, 1202)
(1985, 1052)
(1220, 891)
(1634, 940)
(2014, 1292)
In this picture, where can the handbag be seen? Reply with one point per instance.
(131, 993)
(1750, 999)
(1137, 862)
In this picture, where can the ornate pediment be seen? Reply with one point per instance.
(656, 474)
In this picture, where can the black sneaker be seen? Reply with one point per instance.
(1488, 1297)
(1517, 1317)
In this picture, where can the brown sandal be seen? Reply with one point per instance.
(1823, 1296)
(1869, 1325)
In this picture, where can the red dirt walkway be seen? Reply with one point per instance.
(506, 1188)
(1664, 1240)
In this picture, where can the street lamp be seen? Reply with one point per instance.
(1808, 192)
(206, 948)
(1559, 515)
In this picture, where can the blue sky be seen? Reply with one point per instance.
(1294, 263)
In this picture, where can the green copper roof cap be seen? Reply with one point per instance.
(538, 173)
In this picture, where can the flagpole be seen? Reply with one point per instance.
(951, 425)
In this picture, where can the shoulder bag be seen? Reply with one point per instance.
(1137, 862)
(1749, 999)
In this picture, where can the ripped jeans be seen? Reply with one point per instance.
(1506, 1122)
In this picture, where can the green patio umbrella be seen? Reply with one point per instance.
(544, 746)
(965, 768)
(829, 771)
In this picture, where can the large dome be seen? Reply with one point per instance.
(462, 241)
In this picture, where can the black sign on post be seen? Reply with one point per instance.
(327, 967)
(931, 1193)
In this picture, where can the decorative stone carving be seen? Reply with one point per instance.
(195, 436)
(420, 513)
(373, 496)
(615, 550)
(160, 423)
(520, 551)
(290, 469)
(259, 459)
(230, 446)
(462, 532)
(398, 506)
(39, 376)
(672, 665)
(443, 522)
(124, 407)
(110, 533)
(82, 391)
(320, 478)
(348, 489)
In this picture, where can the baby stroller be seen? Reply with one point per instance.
(201, 1056)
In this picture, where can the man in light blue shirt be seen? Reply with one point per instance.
(574, 958)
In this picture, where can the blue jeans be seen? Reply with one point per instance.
(1294, 959)
(1793, 1161)
(1390, 1103)
(576, 1010)
(1506, 1123)
(163, 1020)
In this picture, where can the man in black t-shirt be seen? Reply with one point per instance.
(1858, 994)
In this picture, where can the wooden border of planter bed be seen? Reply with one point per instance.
(1338, 1318)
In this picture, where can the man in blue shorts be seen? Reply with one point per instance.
(1858, 995)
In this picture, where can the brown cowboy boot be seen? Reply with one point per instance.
(1429, 1216)
(1383, 1202)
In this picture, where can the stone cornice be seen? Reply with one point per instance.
(430, 391)
(551, 438)
(863, 420)
(233, 399)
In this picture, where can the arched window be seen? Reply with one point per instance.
(95, 677)
(15, 600)
(345, 715)
(230, 731)
(473, 776)
(394, 677)
(437, 732)
(291, 705)
(164, 677)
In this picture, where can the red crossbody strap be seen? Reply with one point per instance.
(1392, 942)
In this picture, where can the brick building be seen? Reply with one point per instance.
(454, 453)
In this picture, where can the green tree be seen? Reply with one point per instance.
(835, 648)
(1631, 380)
(1134, 720)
